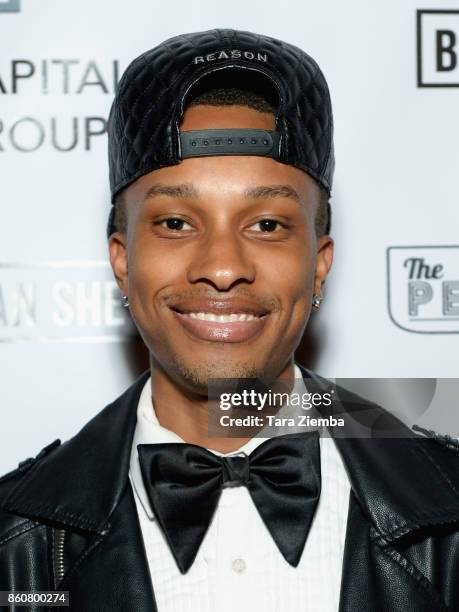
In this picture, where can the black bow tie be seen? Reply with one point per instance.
(184, 483)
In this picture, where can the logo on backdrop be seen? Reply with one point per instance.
(61, 301)
(423, 288)
(10, 6)
(41, 89)
(438, 48)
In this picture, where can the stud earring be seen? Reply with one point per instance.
(125, 301)
(316, 301)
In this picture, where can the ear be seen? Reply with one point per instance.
(324, 260)
(118, 260)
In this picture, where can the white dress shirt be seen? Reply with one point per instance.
(238, 566)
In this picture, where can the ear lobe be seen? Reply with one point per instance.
(324, 260)
(118, 260)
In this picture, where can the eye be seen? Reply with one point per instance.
(174, 223)
(268, 225)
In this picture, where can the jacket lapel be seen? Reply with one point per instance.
(401, 483)
(83, 487)
(114, 574)
(376, 577)
(81, 482)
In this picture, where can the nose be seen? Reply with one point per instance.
(221, 260)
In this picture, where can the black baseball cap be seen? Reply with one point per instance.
(144, 122)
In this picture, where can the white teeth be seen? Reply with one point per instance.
(210, 316)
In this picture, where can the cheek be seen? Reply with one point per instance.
(290, 274)
(152, 267)
(151, 271)
(292, 279)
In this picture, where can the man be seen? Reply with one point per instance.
(221, 164)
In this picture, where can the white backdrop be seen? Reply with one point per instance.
(396, 185)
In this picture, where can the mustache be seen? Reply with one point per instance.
(270, 303)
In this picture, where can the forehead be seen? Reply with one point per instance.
(224, 178)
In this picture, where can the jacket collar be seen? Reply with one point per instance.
(402, 481)
(402, 484)
(80, 483)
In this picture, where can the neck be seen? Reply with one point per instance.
(186, 413)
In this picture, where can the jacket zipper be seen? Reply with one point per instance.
(59, 568)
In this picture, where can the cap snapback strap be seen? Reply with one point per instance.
(204, 143)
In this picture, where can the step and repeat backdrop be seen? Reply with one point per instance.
(391, 304)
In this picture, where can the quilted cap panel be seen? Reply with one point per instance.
(143, 125)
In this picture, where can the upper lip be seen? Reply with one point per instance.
(221, 306)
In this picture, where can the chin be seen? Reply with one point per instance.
(198, 374)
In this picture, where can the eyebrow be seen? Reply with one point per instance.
(272, 191)
(175, 191)
(187, 190)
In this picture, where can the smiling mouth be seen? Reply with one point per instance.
(226, 318)
(229, 327)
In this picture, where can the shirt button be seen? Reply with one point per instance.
(239, 566)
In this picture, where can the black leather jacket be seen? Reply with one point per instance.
(68, 521)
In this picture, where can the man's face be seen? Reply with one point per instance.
(220, 259)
